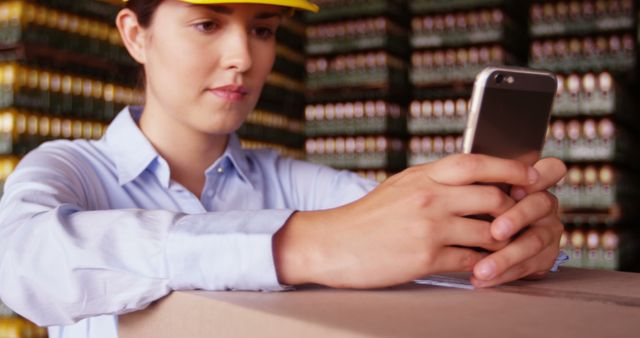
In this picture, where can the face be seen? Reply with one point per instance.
(205, 65)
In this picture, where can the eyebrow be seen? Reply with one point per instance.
(228, 11)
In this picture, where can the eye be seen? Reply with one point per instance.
(206, 26)
(264, 33)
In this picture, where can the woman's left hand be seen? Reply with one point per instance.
(533, 251)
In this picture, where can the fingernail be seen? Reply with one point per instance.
(485, 270)
(518, 193)
(502, 229)
(533, 176)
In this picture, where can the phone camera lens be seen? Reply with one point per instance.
(499, 78)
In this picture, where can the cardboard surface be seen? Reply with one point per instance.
(570, 303)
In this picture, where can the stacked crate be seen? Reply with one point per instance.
(452, 42)
(356, 85)
(591, 45)
(277, 121)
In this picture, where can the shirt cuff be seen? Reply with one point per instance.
(561, 259)
(225, 251)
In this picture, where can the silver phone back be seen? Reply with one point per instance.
(509, 113)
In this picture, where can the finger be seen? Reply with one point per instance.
(470, 233)
(537, 275)
(462, 169)
(551, 171)
(478, 199)
(453, 259)
(536, 267)
(533, 241)
(528, 211)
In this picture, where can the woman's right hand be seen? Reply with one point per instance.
(411, 225)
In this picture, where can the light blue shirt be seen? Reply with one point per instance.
(92, 229)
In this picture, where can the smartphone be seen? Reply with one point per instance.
(509, 113)
(509, 116)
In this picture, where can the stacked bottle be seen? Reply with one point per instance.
(583, 35)
(592, 48)
(592, 247)
(64, 72)
(277, 121)
(359, 152)
(356, 85)
(18, 327)
(374, 175)
(452, 42)
(588, 186)
(7, 164)
(65, 36)
(436, 127)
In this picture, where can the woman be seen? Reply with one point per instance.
(167, 200)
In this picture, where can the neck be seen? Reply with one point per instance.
(187, 151)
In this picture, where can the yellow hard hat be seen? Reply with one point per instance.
(299, 4)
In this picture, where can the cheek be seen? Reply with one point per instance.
(264, 57)
(176, 66)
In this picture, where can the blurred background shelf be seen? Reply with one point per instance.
(580, 18)
(356, 84)
(435, 6)
(333, 10)
(592, 45)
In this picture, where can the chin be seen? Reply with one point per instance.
(219, 127)
(219, 120)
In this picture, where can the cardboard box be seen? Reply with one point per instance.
(570, 303)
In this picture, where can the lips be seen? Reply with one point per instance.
(230, 92)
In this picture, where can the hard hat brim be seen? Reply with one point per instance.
(297, 4)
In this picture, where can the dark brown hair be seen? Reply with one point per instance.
(144, 10)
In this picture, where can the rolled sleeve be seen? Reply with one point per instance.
(235, 256)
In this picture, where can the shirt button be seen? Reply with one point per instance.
(220, 170)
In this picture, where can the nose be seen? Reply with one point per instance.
(236, 51)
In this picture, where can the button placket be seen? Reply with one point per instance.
(186, 200)
(213, 182)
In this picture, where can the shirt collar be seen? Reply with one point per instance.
(132, 152)
(237, 157)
